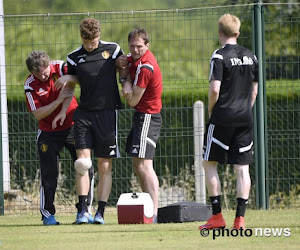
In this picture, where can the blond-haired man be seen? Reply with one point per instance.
(229, 131)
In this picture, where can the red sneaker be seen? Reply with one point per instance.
(239, 222)
(216, 221)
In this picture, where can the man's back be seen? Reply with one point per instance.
(237, 68)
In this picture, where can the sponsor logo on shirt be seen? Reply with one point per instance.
(244, 61)
(42, 92)
(81, 60)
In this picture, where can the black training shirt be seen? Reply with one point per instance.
(96, 72)
(237, 68)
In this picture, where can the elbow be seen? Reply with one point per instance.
(38, 117)
(214, 92)
(131, 104)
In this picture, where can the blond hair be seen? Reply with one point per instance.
(229, 25)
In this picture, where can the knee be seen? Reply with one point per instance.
(209, 165)
(105, 166)
(241, 170)
(82, 165)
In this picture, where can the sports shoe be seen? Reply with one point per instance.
(216, 221)
(50, 221)
(82, 217)
(154, 219)
(239, 222)
(90, 218)
(98, 219)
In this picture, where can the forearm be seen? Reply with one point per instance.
(136, 96)
(44, 111)
(213, 98)
(66, 80)
(213, 95)
(132, 102)
(66, 103)
(254, 93)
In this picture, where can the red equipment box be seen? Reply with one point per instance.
(135, 208)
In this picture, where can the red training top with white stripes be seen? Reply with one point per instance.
(39, 94)
(146, 74)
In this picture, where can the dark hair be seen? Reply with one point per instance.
(89, 28)
(139, 33)
(36, 60)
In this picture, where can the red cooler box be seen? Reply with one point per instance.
(135, 208)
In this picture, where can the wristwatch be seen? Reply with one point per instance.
(122, 80)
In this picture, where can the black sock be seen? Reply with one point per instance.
(216, 204)
(101, 207)
(241, 207)
(82, 203)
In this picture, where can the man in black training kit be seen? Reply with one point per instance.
(229, 132)
(93, 66)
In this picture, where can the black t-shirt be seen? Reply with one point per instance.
(96, 72)
(237, 68)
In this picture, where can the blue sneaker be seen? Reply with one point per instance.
(98, 219)
(82, 217)
(50, 221)
(154, 218)
(90, 218)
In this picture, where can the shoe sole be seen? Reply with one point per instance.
(80, 222)
(98, 222)
(209, 228)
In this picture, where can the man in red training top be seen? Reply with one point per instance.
(54, 111)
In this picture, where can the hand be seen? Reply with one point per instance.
(60, 117)
(60, 83)
(121, 62)
(66, 80)
(127, 90)
(65, 92)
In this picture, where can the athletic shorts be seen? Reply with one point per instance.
(142, 139)
(97, 130)
(233, 143)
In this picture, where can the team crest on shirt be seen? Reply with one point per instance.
(44, 147)
(54, 77)
(105, 54)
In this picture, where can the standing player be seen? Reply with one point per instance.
(229, 132)
(54, 111)
(94, 65)
(147, 121)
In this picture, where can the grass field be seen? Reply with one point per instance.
(27, 232)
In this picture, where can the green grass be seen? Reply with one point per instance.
(27, 232)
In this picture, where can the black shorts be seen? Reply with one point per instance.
(234, 142)
(97, 130)
(142, 139)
